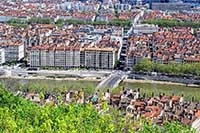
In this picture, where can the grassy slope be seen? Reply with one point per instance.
(18, 115)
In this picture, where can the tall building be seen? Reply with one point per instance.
(44, 58)
(2, 55)
(171, 6)
(68, 57)
(60, 56)
(51, 59)
(35, 57)
(13, 50)
(101, 58)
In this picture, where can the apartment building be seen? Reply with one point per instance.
(51, 59)
(68, 57)
(101, 58)
(44, 57)
(76, 58)
(59, 56)
(122, 7)
(171, 6)
(35, 57)
(193, 59)
(82, 58)
(13, 50)
(53, 56)
(79, 6)
(132, 60)
(2, 56)
(145, 28)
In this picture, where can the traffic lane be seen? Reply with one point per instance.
(110, 80)
(107, 83)
(113, 81)
(46, 72)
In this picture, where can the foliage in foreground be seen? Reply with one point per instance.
(19, 115)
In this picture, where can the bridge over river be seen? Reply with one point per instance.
(112, 80)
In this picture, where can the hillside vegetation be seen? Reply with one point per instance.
(19, 115)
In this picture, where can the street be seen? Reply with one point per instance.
(9, 72)
(113, 80)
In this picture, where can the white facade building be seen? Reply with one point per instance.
(145, 28)
(14, 51)
(100, 58)
(2, 55)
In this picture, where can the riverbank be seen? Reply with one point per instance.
(47, 78)
(161, 82)
(94, 79)
(59, 85)
(55, 86)
(152, 82)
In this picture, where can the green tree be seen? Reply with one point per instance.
(144, 65)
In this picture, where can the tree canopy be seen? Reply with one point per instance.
(146, 65)
(171, 23)
(24, 22)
